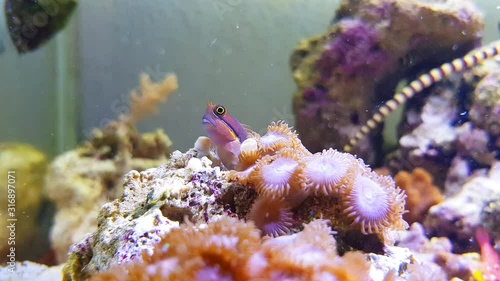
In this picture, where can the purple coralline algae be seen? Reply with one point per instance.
(317, 99)
(354, 52)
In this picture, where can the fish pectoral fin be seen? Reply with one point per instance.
(228, 154)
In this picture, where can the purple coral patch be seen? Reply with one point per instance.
(315, 94)
(315, 98)
(355, 52)
(203, 180)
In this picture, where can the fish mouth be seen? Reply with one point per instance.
(207, 121)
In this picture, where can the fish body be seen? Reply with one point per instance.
(225, 132)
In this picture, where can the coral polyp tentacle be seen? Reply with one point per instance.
(272, 216)
(326, 172)
(416, 86)
(374, 204)
(278, 136)
(276, 175)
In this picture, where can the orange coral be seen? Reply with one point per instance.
(230, 249)
(316, 234)
(422, 194)
(307, 255)
(144, 101)
(219, 250)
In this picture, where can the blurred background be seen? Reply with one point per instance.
(234, 52)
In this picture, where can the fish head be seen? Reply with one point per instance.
(220, 126)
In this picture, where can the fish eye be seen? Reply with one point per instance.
(219, 110)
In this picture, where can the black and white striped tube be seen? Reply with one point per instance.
(416, 86)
